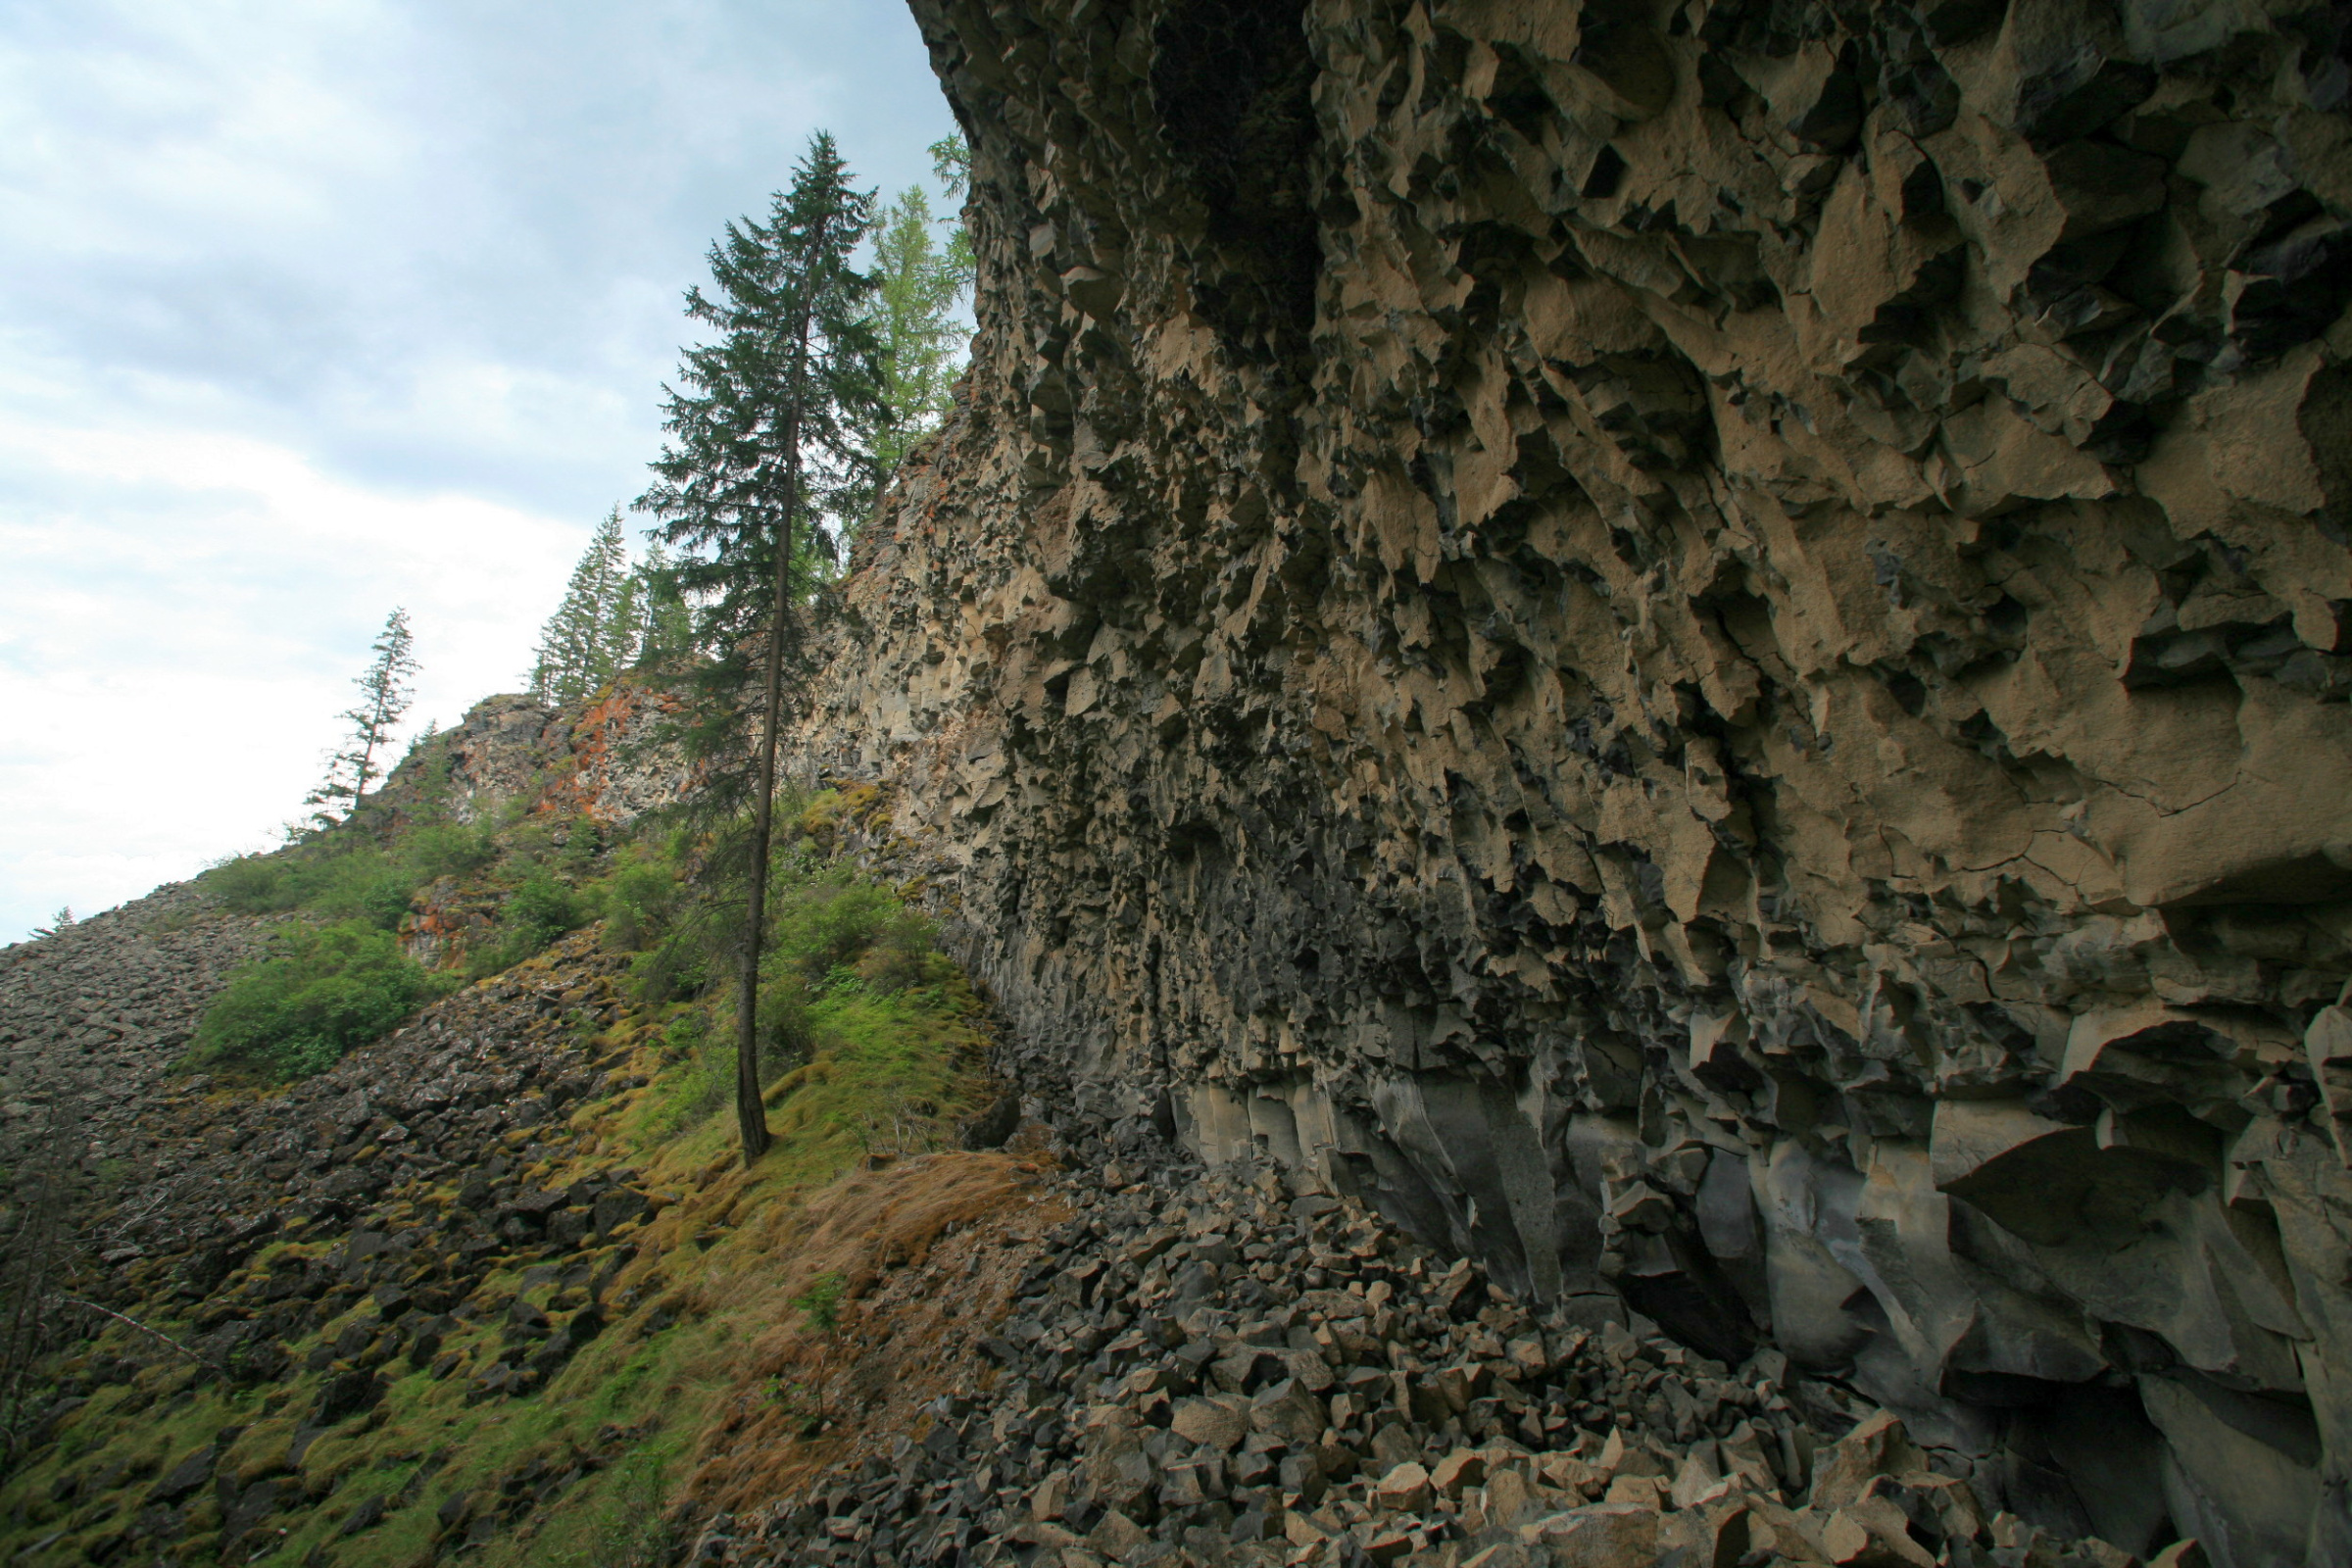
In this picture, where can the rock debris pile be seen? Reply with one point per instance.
(105, 1004)
(1202, 1370)
(322, 1240)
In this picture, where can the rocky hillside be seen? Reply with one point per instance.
(1668, 681)
(1189, 1370)
(92, 1016)
(245, 1272)
(1700, 650)
(486, 1284)
(428, 1306)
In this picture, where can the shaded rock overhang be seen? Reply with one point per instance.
(1703, 648)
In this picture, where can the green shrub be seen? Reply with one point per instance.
(639, 902)
(359, 882)
(837, 932)
(583, 842)
(828, 925)
(676, 968)
(538, 911)
(252, 884)
(360, 885)
(784, 1037)
(688, 945)
(541, 909)
(709, 1081)
(447, 849)
(320, 991)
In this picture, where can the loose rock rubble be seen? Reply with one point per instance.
(1198, 1369)
(97, 1012)
(1703, 650)
(470, 1096)
(378, 1196)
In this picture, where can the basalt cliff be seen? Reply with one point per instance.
(1699, 648)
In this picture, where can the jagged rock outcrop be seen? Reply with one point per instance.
(609, 759)
(1702, 648)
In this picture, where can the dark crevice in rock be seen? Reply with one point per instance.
(1232, 83)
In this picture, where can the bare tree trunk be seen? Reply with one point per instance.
(751, 1114)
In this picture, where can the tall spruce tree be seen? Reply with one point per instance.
(772, 428)
(594, 633)
(387, 688)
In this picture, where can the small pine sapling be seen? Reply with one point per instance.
(821, 1304)
(387, 688)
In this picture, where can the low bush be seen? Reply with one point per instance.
(639, 902)
(676, 968)
(363, 885)
(536, 913)
(252, 884)
(835, 931)
(540, 910)
(351, 881)
(448, 848)
(357, 883)
(318, 992)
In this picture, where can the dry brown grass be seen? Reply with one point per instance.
(929, 1250)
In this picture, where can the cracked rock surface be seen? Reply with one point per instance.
(1700, 649)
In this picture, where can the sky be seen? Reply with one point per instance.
(313, 308)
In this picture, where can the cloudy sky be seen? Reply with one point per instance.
(312, 308)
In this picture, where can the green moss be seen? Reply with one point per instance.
(886, 1052)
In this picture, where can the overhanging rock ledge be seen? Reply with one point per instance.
(1704, 649)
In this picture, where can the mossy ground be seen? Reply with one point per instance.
(696, 1293)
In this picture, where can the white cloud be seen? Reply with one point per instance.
(171, 693)
(309, 308)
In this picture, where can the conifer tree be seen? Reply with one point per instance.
(770, 430)
(951, 167)
(593, 635)
(623, 636)
(922, 281)
(385, 691)
(665, 627)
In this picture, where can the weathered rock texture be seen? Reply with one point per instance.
(1191, 1373)
(607, 760)
(1696, 646)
